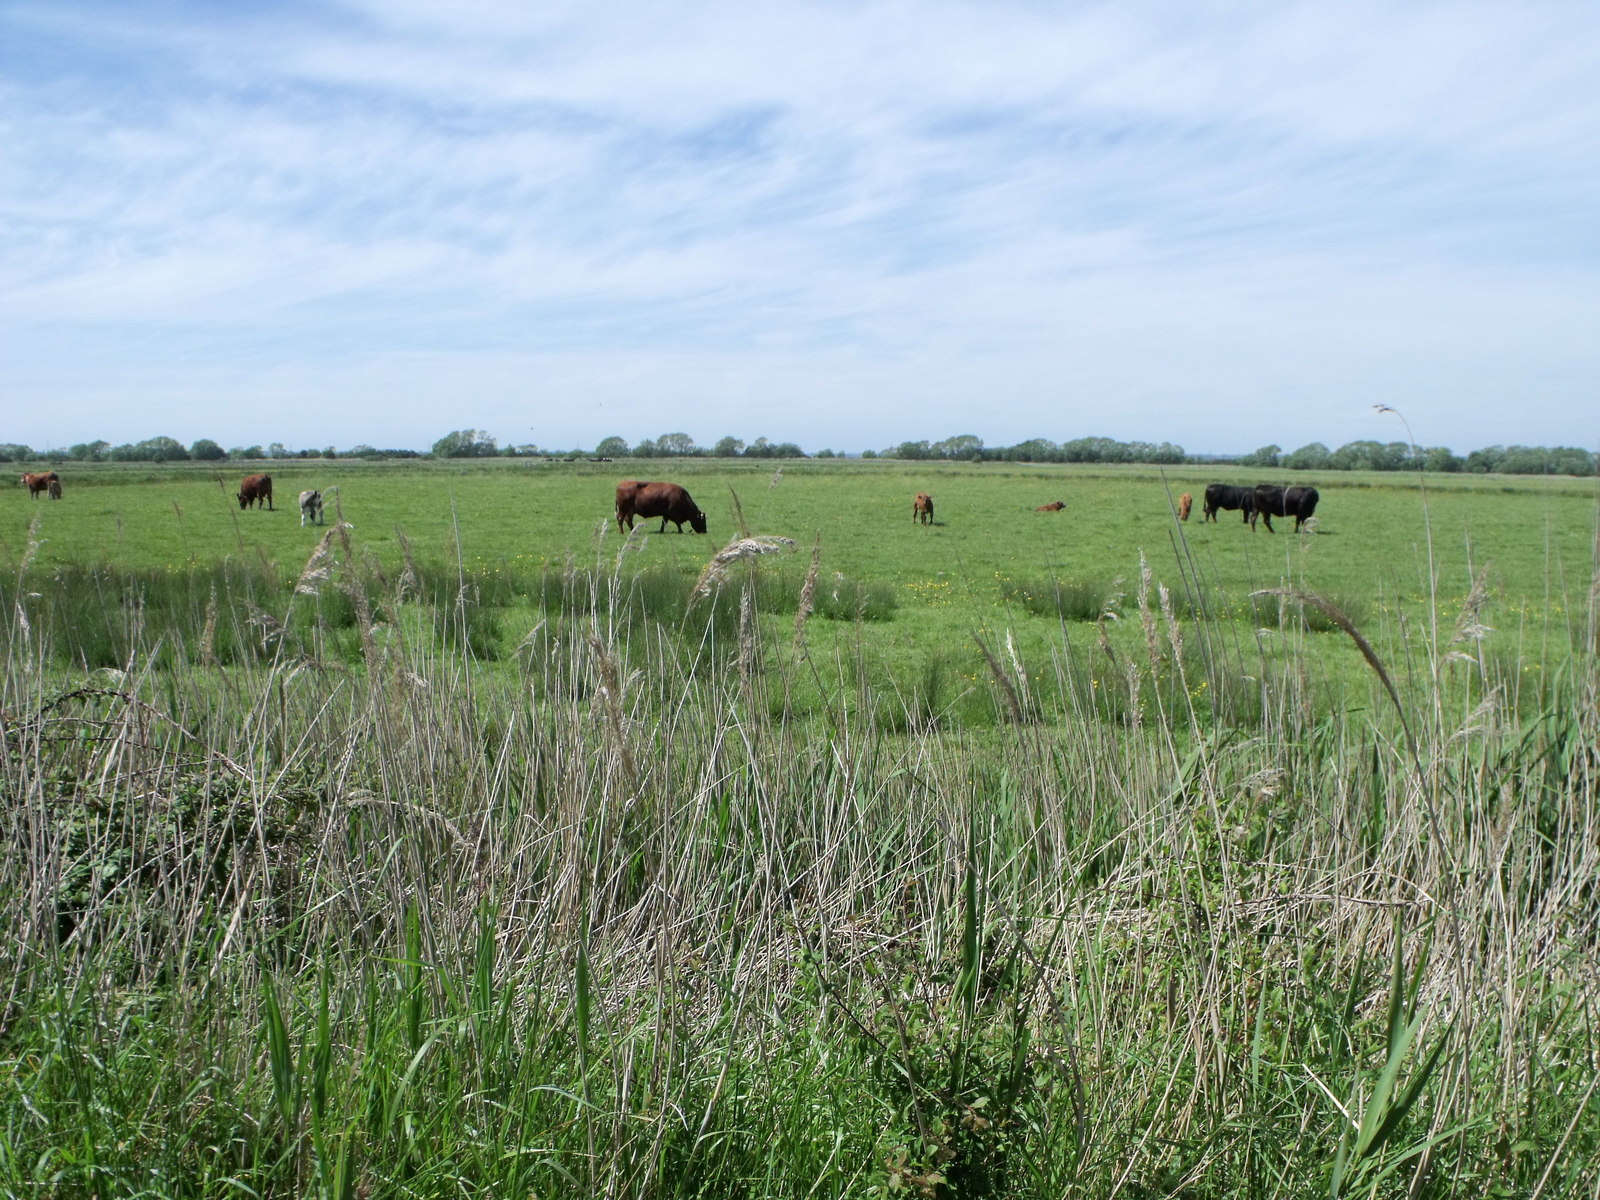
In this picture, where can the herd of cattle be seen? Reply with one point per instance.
(671, 502)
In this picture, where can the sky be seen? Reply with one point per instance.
(842, 223)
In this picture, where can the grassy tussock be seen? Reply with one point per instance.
(610, 918)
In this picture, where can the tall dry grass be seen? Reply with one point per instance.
(607, 919)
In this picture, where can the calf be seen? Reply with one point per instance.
(922, 508)
(311, 508)
(1185, 503)
(1053, 506)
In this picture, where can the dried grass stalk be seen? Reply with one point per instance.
(740, 548)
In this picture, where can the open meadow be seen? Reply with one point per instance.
(467, 846)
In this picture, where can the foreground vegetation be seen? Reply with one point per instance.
(648, 879)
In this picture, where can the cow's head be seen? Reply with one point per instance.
(698, 521)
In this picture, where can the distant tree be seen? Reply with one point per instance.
(1570, 460)
(1485, 460)
(1094, 449)
(912, 450)
(645, 449)
(1033, 450)
(465, 443)
(1312, 457)
(1372, 456)
(1525, 460)
(869, 454)
(1439, 458)
(15, 452)
(205, 450)
(161, 449)
(611, 447)
(1169, 454)
(676, 445)
(1266, 456)
(824, 454)
(89, 451)
(963, 447)
(728, 447)
(247, 452)
(278, 450)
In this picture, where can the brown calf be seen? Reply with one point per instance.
(1053, 506)
(1185, 503)
(922, 508)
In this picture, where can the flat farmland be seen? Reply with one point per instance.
(1397, 557)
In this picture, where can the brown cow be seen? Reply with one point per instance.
(1053, 506)
(41, 482)
(665, 500)
(1185, 503)
(922, 508)
(255, 489)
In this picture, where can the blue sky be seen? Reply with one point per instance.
(843, 224)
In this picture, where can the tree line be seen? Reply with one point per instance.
(475, 443)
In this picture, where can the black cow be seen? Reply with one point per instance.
(1273, 501)
(1223, 495)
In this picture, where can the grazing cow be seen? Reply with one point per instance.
(1272, 501)
(1222, 495)
(256, 489)
(1185, 503)
(311, 507)
(1053, 506)
(665, 500)
(922, 508)
(40, 483)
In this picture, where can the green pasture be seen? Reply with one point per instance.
(1371, 549)
(1398, 556)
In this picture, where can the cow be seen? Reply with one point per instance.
(40, 483)
(1185, 503)
(922, 508)
(311, 507)
(1222, 495)
(256, 489)
(1273, 501)
(665, 500)
(1053, 506)
(55, 487)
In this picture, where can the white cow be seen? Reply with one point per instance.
(311, 507)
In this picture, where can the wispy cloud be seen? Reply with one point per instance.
(807, 220)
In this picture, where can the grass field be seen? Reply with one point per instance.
(466, 852)
(990, 564)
